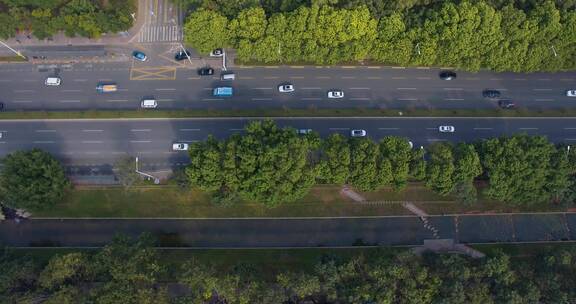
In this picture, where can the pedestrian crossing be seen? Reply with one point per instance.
(160, 33)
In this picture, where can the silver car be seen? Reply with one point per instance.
(358, 133)
(286, 88)
(335, 94)
(446, 129)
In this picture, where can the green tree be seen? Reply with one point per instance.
(364, 173)
(467, 167)
(32, 179)
(440, 169)
(63, 270)
(7, 26)
(397, 152)
(206, 30)
(336, 163)
(205, 168)
(125, 171)
(418, 164)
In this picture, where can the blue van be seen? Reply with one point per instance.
(223, 92)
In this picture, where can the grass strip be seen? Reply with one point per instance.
(288, 112)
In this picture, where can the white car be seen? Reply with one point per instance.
(53, 81)
(286, 88)
(180, 147)
(358, 133)
(304, 131)
(571, 93)
(411, 144)
(217, 53)
(335, 94)
(446, 129)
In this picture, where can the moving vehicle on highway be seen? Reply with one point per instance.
(447, 75)
(140, 56)
(335, 94)
(223, 92)
(227, 76)
(206, 71)
(181, 55)
(217, 53)
(358, 133)
(148, 104)
(53, 81)
(446, 129)
(506, 104)
(179, 147)
(491, 94)
(571, 93)
(106, 87)
(286, 88)
(303, 131)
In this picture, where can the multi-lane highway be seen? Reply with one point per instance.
(178, 86)
(93, 142)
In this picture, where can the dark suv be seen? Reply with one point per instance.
(506, 104)
(491, 94)
(181, 55)
(447, 75)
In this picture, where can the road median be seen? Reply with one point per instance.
(287, 112)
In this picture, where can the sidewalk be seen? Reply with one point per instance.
(25, 39)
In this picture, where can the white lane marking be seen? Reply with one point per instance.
(92, 141)
(23, 91)
(311, 98)
(261, 88)
(261, 99)
(196, 78)
(310, 88)
(212, 99)
(454, 99)
(43, 142)
(358, 88)
(406, 99)
(338, 128)
(69, 101)
(22, 101)
(189, 130)
(453, 89)
(435, 139)
(165, 89)
(541, 89)
(80, 80)
(398, 67)
(65, 91)
(2, 142)
(478, 129)
(166, 99)
(92, 130)
(527, 128)
(45, 131)
(271, 77)
(543, 99)
(423, 68)
(359, 98)
(406, 89)
(116, 100)
(188, 141)
(388, 128)
(140, 141)
(140, 130)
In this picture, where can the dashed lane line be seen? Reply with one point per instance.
(261, 99)
(140, 141)
(43, 142)
(541, 89)
(543, 99)
(261, 88)
(69, 101)
(358, 88)
(92, 130)
(92, 141)
(45, 131)
(406, 99)
(140, 130)
(481, 129)
(528, 128)
(189, 130)
(454, 99)
(406, 88)
(452, 89)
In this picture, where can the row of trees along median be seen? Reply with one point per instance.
(134, 272)
(468, 35)
(273, 165)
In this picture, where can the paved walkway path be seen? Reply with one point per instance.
(312, 232)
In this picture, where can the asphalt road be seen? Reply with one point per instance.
(312, 232)
(177, 86)
(97, 142)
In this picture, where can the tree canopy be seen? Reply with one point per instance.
(32, 179)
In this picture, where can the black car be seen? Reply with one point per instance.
(491, 94)
(1, 106)
(207, 71)
(447, 75)
(506, 104)
(181, 55)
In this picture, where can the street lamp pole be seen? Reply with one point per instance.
(554, 51)
(13, 50)
(156, 180)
